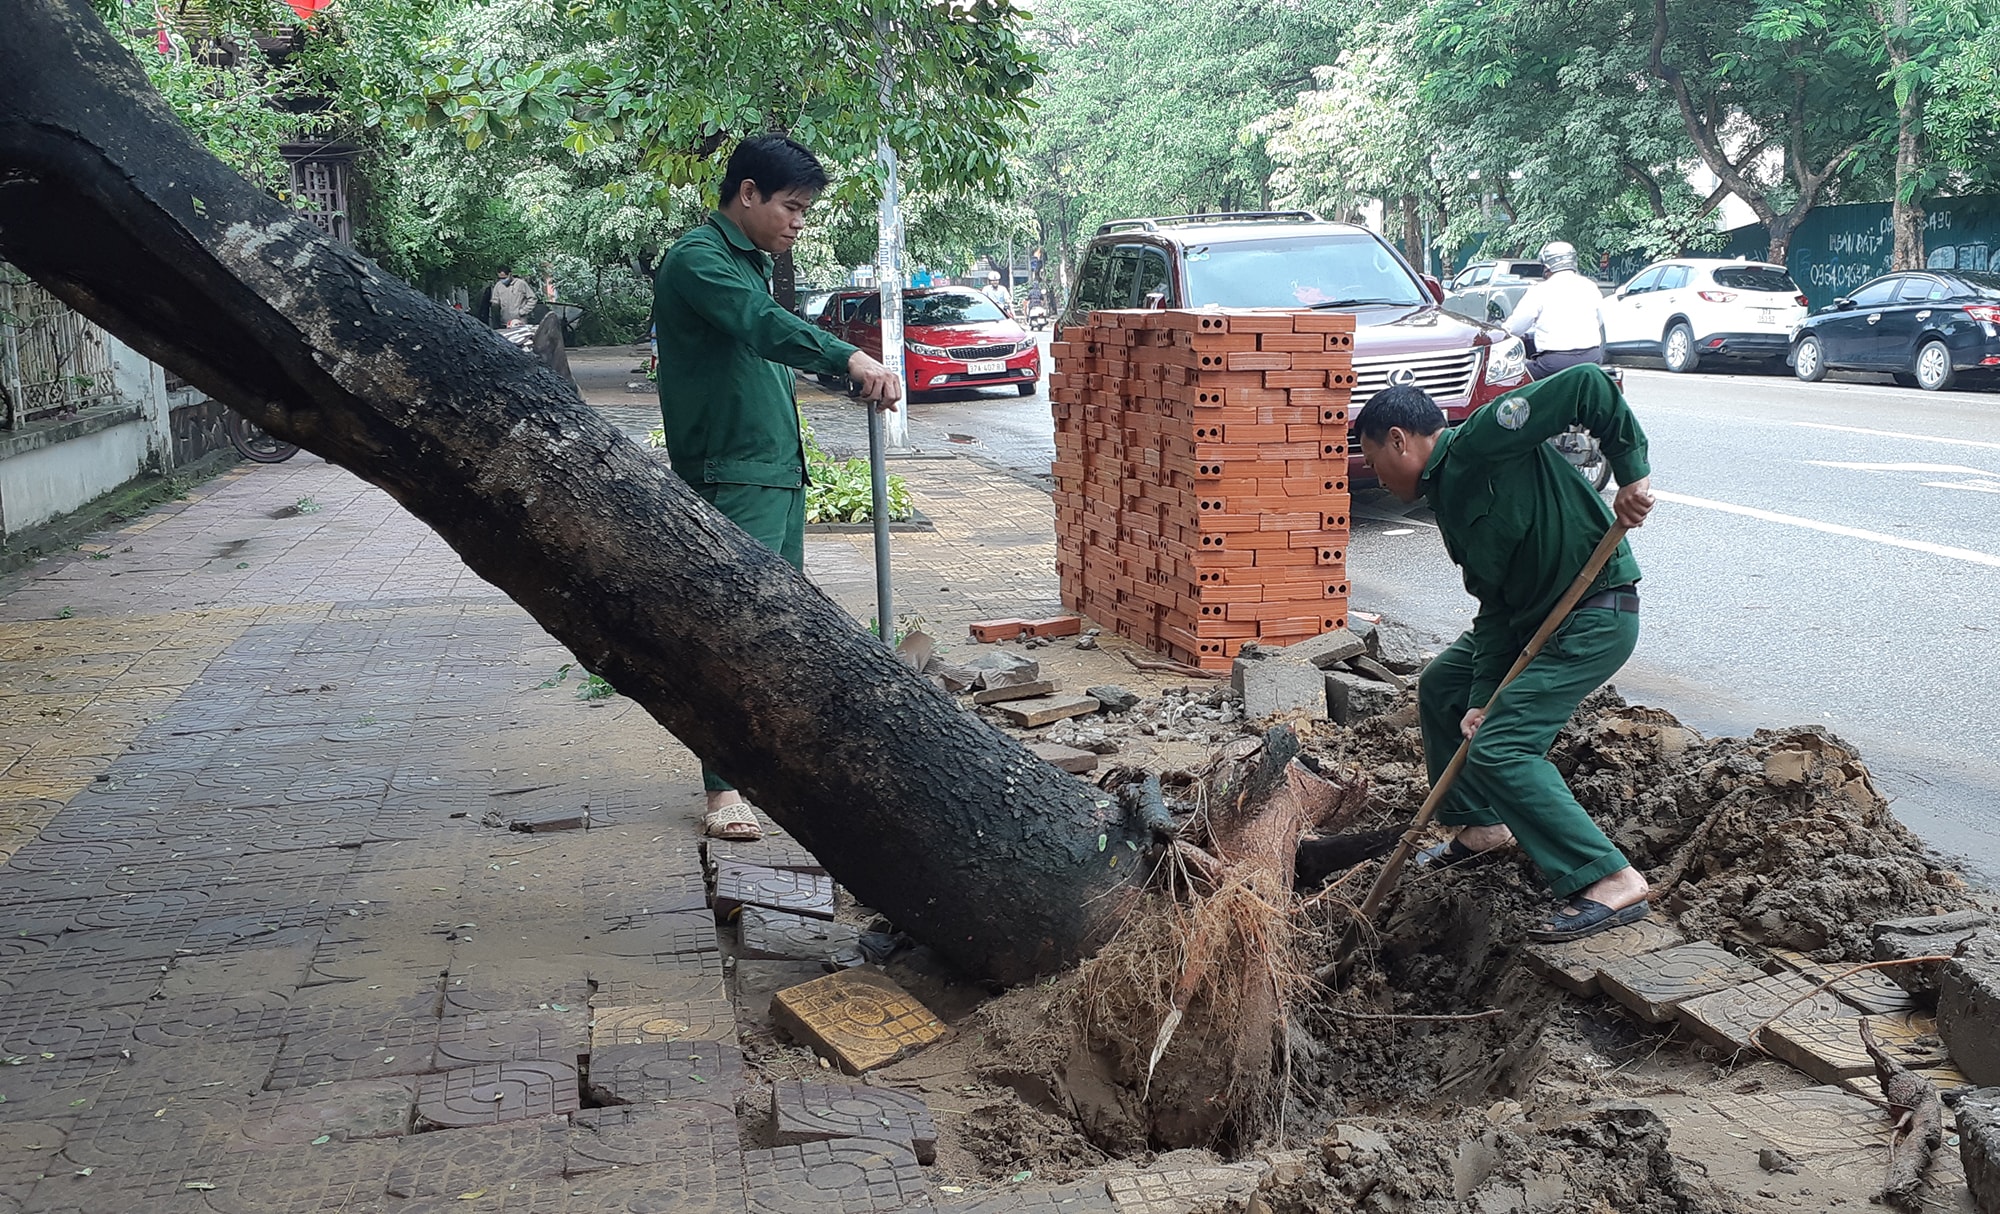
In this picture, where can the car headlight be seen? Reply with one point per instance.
(928, 351)
(1025, 345)
(1506, 361)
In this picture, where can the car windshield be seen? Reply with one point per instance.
(1755, 278)
(1986, 286)
(949, 308)
(1338, 270)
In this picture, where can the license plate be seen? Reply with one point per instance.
(1768, 315)
(997, 366)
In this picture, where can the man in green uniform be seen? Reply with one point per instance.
(726, 353)
(1520, 523)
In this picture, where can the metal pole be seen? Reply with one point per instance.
(889, 238)
(878, 476)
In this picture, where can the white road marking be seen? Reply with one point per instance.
(1982, 486)
(1936, 468)
(1856, 533)
(1922, 438)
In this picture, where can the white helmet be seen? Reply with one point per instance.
(992, 276)
(1558, 255)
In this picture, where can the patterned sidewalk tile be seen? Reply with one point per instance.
(851, 1176)
(818, 1112)
(679, 1070)
(496, 1093)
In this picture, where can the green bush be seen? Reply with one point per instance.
(837, 491)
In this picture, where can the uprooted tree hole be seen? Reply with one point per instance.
(1776, 841)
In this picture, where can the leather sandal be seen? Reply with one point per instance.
(1581, 917)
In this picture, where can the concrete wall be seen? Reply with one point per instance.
(50, 468)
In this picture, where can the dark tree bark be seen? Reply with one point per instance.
(1907, 212)
(953, 830)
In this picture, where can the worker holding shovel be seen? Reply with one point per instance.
(1520, 523)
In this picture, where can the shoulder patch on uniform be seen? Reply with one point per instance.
(1511, 413)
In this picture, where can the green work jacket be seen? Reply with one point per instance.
(727, 402)
(1517, 519)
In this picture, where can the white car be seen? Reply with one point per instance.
(1693, 308)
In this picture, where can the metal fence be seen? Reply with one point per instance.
(52, 360)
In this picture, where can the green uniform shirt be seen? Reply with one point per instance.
(730, 414)
(1517, 519)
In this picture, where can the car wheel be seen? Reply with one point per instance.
(1934, 373)
(1809, 361)
(1027, 389)
(1677, 349)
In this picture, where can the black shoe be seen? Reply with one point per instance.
(1581, 917)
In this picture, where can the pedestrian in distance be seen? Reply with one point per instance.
(512, 299)
(1520, 523)
(726, 350)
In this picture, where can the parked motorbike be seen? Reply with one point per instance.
(1580, 447)
(547, 339)
(1038, 317)
(254, 443)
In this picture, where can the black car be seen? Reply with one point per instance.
(1925, 327)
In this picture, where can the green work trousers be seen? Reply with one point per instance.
(1508, 778)
(775, 518)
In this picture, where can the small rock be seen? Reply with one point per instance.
(1398, 648)
(1366, 665)
(1772, 1159)
(954, 676)
(1086, 642)
(1001, 668)
(1978, 1114)
(1113, 697)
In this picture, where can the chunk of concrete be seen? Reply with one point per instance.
(1924, 936)
(1003, 668)
(1351, 698)
(1065, 758)
(1400, 649)
(1272, 685)
(1365, 665)
(1045, 710)
(1113, 697)
(1328, 649)
(1014, 691)
(1969, 1006)
(1979, 1146)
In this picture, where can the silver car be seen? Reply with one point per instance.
(1488, 290)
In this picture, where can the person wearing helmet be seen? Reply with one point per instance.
(997, 293)
(1558, 316)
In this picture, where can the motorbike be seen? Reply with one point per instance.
(1038, 316)
(547, 338)
(254, 443)
(1580, 447)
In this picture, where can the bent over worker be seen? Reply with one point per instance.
(1520, 523)
(726, 388)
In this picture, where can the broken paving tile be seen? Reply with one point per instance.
(694, 1020)
(1087, 1198)
(851, 1176)
(1014, 691)
(1065, 758)
(666, 1070)
(1726, 1018)
(1873, 991)
(1831, 1050)
(550, 820)
(1812, 1121)
(1046, 710)
(496, 1093)
(1573, 966)
(771, 851)
(738, 885)
(776, 936)
(642, 1136)
(818, 1112)
(344, 1112)
(1653, 984)
(857, 1019)
(1177, 1190)
(446, 1163)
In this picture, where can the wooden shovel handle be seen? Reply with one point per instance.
(1557, 614)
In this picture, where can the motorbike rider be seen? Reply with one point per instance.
(997, 293)
(1558, 316)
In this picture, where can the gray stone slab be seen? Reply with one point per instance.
(770, 935)
(445, 1163)
(848, 1176)
(1871, 991)
(1573, 966)
(1923, 936)
(1327, 650)
(1968, 1008)
(1014, 691)
(1979, 1145)
(1831, 1051)
(1088, 1197)
(1272, 685)
(1653, 984)
(771, 851)
(740, 885)
(678, 1020)
(820, 1112)
(1352, 698)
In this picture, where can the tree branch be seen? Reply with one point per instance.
(1705, 140)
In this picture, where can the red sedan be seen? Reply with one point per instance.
(952, 338)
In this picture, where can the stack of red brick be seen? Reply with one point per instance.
(1201, 476)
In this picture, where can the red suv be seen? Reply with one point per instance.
(1294, 259)
(952, 338)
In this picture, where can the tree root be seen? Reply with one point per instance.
(1919, 1129)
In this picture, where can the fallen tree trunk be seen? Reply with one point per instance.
(952, 829)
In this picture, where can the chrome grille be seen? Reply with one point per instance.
(1446, 375)
(969, 353)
